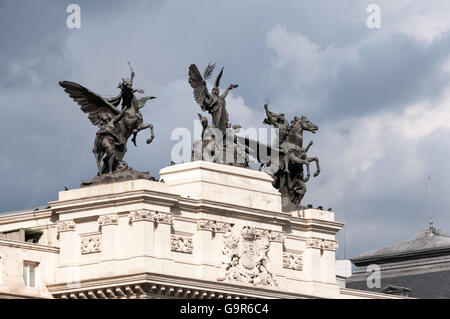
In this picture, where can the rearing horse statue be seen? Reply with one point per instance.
(115, 126)
(296, 154)
(288, 157)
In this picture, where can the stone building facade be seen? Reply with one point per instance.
(204, 231)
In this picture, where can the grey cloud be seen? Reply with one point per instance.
(390, 74)
(47, 140)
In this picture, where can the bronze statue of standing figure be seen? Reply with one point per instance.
(218, 141)
(214, 103)
(285, 160)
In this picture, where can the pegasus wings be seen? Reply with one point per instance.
(201, 94)
(91, 103)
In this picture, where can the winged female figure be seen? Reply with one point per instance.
(213, 102)
(115, 125)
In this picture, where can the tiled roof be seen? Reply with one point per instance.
(427, 242)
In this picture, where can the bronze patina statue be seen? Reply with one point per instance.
(115, 127)
(289, 177)
(218, 141)
(286, 157)
(212, 102)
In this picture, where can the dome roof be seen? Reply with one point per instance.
(430, 242)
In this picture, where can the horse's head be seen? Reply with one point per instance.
(306, 124)
(203, 120)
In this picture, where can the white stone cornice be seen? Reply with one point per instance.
(106, 220)
(150, 286)
(144, 290)
(43, 216)
(65, 225)
(265, 216)
(29, 246)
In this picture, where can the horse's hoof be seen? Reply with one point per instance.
(149, 141)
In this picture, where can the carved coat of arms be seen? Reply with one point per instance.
(245, 257)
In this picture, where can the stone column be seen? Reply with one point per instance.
(109, 225)
(203, 252)
(276, 252)
(328, 262)
(311, 260)
(206, 251)
(143, 243)
(69, 247)
(163, 222)
(69, 253)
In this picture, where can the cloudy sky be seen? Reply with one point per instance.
(380, 96)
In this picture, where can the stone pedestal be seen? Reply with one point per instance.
(222, 183)
(208, 231)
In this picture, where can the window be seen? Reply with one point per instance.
(32, 236)
(29, 274)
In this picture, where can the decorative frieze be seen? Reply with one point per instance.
(277, 236)
(330, 245)
(182, 244)
(139, 215)
(322, 244)
(66, 225)
(106, 220)
(213, 226)
(152, 216)
(90, 245)
(292, 261)
(163, 218)
(273, 236)
(245, 257)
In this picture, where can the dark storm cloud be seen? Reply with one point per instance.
(389, 74)
(391, 210)
(32, 37)
(322, 61)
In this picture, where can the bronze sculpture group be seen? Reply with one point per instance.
(288, 173)
(115, 127)
(286, 159)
